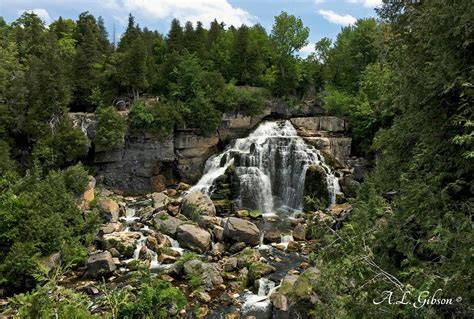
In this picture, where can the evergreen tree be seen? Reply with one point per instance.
(175, 38)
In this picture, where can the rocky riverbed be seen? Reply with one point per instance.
(237, 265)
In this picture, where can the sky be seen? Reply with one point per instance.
(324, 17)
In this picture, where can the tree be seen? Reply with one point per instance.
(175, 38)
(288, 35)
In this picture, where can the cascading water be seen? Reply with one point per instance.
(271, 166)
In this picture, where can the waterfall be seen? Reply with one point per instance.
(271, 166)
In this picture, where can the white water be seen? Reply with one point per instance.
(271, 166)
(261, 300)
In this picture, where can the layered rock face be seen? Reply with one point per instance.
(151, 163)
(326, 133)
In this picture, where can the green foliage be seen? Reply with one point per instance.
(156, 299)
(155, 117)
(421, 240)
(41, 217)
(111, 129)
(246, 100)
(64, 145)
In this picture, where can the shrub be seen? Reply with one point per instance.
(111, 129)
(155, 117)
(156, 299)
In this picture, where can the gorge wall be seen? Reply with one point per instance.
(151, 162)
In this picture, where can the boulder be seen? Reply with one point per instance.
(209, 273)
(247, 256)
(299, 232)
(196, 204)
(124, 242)
(229, 264)
(279, 301)
(303, 286)
(160, 201)
(88, 195)
(218, 232)
(111, 227)
(258, 270)
(194, 238)
(242, 230)
(110, 209)
(349, 185)
(166, 259)
(100, 264)
(167, 224)
(272, 236)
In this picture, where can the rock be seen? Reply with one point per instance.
(51, 262)
(340, 209)
(196, 204)
(229, 264)
(100, 264)
(243, 213)
(349, 186)
(304, 265)
(156, 241)
(272, 236)
(144, 254)
(299, 232)
(194, 238)
(258, 270)
(207, 221)
(167, 224)
(183, 186)
(233, 315)
(115, 253)
(303, 286)
(209, 273)
(218, 232)
(255, 214)
(287, 284)
(111, 227)
(110, 209)
(160, 201)
(202, 312)
(279, 301)
(173, 209)
(166, 259)
(360, 171)
(88, 195)
(124, 242)
(203, 296)
(293, 246)
(242, 230)
(248, 256)
(235, 248)
(171, 192)
(218, 249)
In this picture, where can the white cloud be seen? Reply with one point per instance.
(319, 1)
(306, 50)
(367, 3)
(42, 13)
(333, 17)
(185, 10)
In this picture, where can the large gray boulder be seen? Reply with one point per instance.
(196, 204)
(194, 238)
(241, 230)
(160, 200)
(167, 224)
(209, 273)
(100, 264)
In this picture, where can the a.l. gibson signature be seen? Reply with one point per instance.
(424, 299)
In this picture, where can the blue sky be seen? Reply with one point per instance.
(324, 17)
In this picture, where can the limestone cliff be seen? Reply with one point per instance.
(151, 162)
